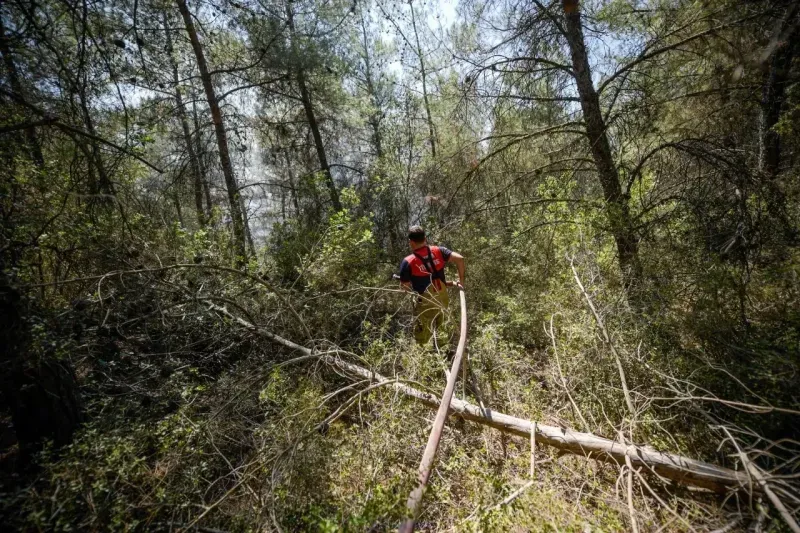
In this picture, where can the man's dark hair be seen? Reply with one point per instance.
(416, 234)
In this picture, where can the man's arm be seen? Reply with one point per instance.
(458, 259)
(405, 276)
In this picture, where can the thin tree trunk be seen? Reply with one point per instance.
(207, 195)
(176, 197)
(292, 186)
(385, 225)
(423, 74)
(773, 94)
(83, 146)
(320, 147)
(194, 164)
(307, 184)
(96, 158)
(617, 208)
(248, 235)
(222, 136)
(200, 151)
(104, 186)
(305, 98)
(375, 116)
(409, 166)
(245, 217)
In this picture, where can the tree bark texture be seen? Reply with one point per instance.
(200, 152)
(305, 98)
(237, 218)
(194, 163)
(616, 203)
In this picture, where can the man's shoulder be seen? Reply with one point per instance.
(443, 250)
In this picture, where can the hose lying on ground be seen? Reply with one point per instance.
(426, 465)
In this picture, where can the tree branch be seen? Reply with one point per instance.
(51, 120)
(663, 49)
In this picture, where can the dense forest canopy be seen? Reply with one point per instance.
(202, 203)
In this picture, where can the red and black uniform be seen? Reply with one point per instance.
(425, 267)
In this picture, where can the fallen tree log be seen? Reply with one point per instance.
(681, 470)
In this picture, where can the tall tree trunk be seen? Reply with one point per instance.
(104, 186)
(410, 162)
(222, 136)
(375, 116)
(90, 174)
(423, 74)
(207, 196)
(85, 148)
(773, 94)
(305, 97)
(248, 235)
(81, 81)
(385, 229)
(194, 164)
(616, 204)
(176, 197)
(200, 152)
(13, 78)
(292, 185)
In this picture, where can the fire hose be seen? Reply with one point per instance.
(426, 465)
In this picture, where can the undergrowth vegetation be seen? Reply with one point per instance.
(202, 205)
(194, 419)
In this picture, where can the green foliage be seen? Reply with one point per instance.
(344, 250)
(196, 418)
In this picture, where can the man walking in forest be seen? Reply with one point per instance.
(423, 272)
